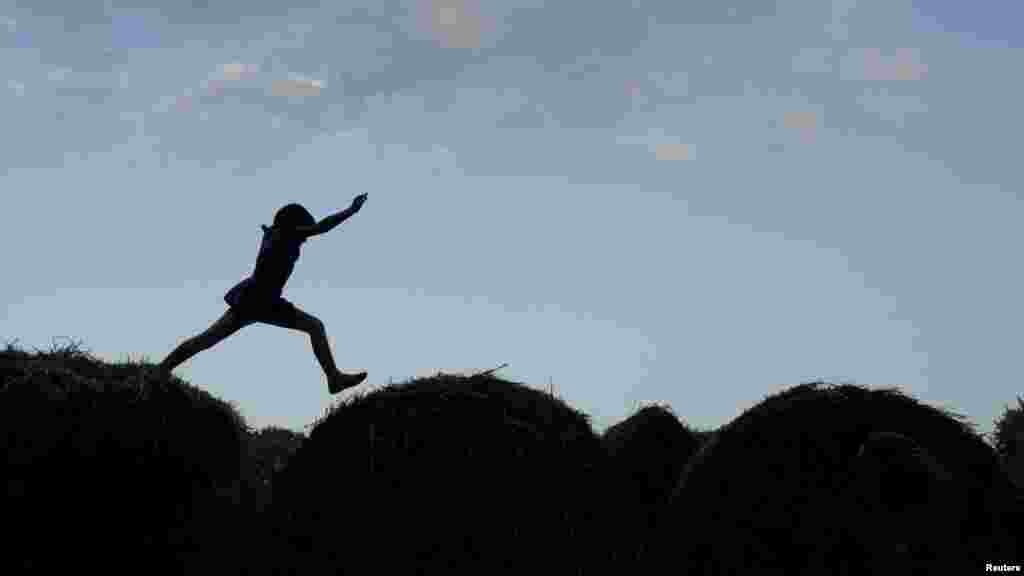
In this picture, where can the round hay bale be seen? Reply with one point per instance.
(99, 460)
(645, 457)
(897, 485)
(648, 451)
(896, 474)
(440, 475)
(775, 490)
(269, 451)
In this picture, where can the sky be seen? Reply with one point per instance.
(696, 204)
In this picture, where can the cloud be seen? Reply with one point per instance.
(673, 151)
(904, 65)
(164, 104)
(890, 107)
(562, 31)
(870, 64)
(213, 87)
(58, 74)
(17, 87)
(21, 37)
(837, 27)
(662, 146)
(443, 161)
(804, 120)
(296, 86)
(454, 23)
(632, 87)
(990, 23)
(235, 71)
(228, 73)
(132, 32)
(525, 65)
(136, 119)
(183, 103)
(813, 61)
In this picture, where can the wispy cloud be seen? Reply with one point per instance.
(801, 120)
(18, 88)
(890, 107)
(870, 64)
(234, 71)
(837, 26)
(454, 23)
(132, 32)
(662, 146)
(58, 74)
(213, 85)
(813, 61)
(296, 86)
(673, 151)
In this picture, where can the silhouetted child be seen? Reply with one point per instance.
(258, 297)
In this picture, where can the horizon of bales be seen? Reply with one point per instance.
(111, 464)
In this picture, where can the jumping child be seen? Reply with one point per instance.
(258, 297)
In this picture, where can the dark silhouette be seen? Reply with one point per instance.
(1008, 440)
(443, 475)
(115, 465)
(898, 487)
(784, 489)
(110, 458)
(646, 454)
(258, 297)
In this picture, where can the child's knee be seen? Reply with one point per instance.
(318, 326)
(314, 326)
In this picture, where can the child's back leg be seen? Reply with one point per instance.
(229, 323)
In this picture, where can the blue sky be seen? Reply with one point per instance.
(692, 203)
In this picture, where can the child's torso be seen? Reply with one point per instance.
(276, 259)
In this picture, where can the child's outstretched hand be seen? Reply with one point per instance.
(357, 202)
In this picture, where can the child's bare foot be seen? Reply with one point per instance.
(342, 381)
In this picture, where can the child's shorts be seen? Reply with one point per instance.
(253, 304)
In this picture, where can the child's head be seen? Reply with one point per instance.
(293, 215)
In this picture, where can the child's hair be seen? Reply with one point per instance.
(293, 215)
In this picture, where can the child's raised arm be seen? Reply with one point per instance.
(333, 220)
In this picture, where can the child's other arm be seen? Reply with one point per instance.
(333, 220)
